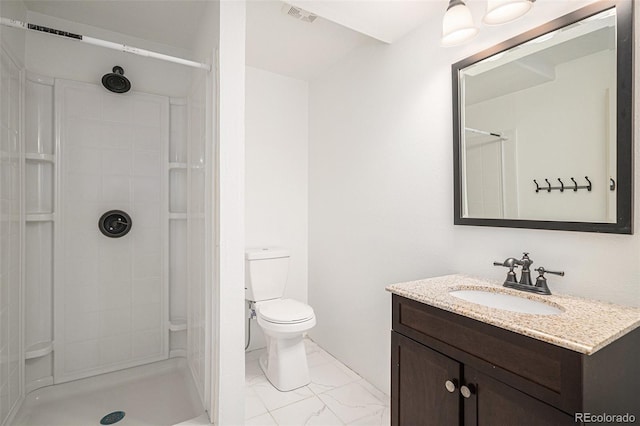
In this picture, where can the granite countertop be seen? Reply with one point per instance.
(584, 326)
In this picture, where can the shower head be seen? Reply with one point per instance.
(116, 81)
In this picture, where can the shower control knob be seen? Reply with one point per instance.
(114, 224)
(451, 385)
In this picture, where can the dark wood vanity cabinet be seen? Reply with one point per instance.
(497, 377)
(419, 375)
(422, 398)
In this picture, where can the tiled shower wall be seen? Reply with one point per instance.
(10, 235)
(111, 294)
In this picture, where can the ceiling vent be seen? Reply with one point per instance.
(298, 13)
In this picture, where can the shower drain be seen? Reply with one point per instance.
(112, 418)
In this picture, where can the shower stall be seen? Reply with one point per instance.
(106, 221)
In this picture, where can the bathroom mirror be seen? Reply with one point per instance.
(543, 126)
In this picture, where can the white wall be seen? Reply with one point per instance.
(228, 295)
(381, 196)
(68, 59)
(276, 178)
(379, 192)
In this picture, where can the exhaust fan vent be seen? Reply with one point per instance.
(298, 13)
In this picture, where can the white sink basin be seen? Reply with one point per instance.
(506, 302)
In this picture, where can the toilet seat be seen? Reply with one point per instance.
(284, 311)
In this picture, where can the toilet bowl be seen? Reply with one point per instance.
(282, 320)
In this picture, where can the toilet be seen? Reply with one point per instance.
(283, 321)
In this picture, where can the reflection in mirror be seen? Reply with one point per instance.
(538, 129)
(510, 140)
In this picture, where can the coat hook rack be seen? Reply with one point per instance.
(561, 188)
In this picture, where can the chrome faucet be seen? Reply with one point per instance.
(525, 283)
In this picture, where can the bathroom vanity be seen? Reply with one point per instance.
(455, 362)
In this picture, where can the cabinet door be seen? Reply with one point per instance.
(493, 403)
(419, 395)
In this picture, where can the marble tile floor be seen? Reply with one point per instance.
(336, 396)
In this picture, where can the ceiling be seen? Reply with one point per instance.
(282, 44)
(274, 41)
(384, 20)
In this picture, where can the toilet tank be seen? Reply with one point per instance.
(266, 272)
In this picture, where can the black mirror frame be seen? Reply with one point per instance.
(624, 122)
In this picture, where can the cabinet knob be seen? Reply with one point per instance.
(467, 391)
(451, 385)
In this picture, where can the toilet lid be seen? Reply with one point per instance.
(284, 311)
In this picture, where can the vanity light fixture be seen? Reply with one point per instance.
(503, 11)
(457, 24)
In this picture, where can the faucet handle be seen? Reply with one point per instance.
(526, 260)
(541, 281)
(542, 271)
(510, 263)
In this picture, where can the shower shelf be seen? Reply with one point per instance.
(42, 158)
(38, 350)
(178, 324)
(39, 217)
(178, 216)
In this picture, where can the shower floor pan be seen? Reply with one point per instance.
(155, 394)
